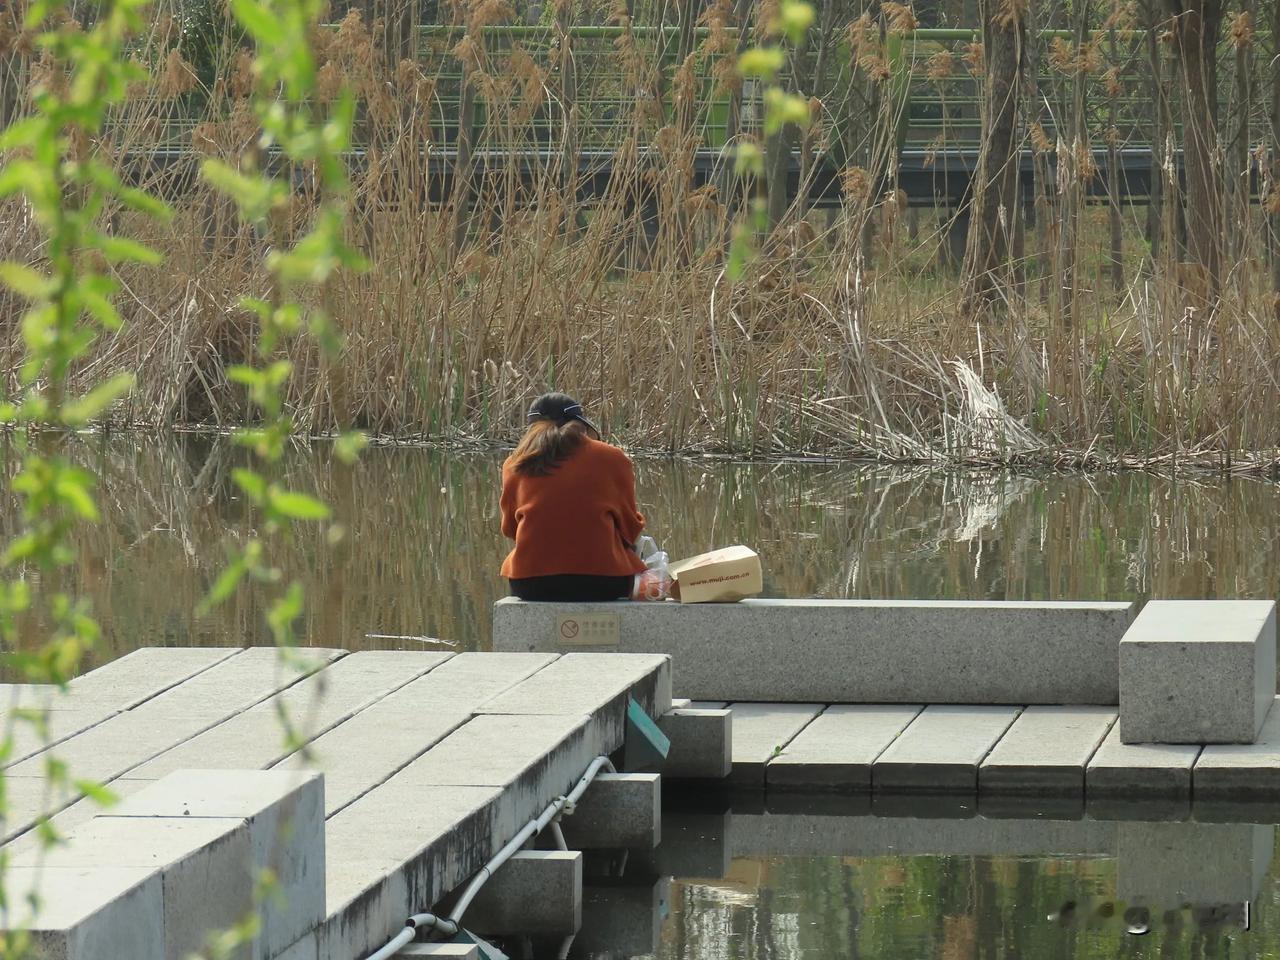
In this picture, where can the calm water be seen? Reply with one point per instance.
(419, 559)
(799, 885)
(417, 568)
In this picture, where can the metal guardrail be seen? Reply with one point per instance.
(936, 110)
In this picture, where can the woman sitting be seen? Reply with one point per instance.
(569, 503)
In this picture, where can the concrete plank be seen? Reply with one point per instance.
(599, 685)
(1046, 751)
(125, 741)
(358, 754)
(458, 803)
(1246, 771)
(1128, 770)
(810, 835)
(80, 811)
(837, 750)
(941, 750)
(145, 673)
(94, 697)
(256, 738)
(761, 731)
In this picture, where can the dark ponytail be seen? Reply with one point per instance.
(547, 444)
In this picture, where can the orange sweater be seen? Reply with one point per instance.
(580, 518)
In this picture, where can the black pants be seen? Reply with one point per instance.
(572, 587)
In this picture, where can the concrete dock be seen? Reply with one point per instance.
(401, 774)
(1034, 751)
(430, 764)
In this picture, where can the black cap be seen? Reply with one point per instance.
(561, 408)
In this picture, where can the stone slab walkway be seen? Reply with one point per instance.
(432, 761)
(1062, 754)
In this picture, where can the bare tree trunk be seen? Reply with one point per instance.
(462, 160)
(569, 110)
(819, 85)
(1275, 161)
(1240, 167)
(1197, 25)
(730, 186)
(1113, 172)
(996, 193)
(1159, 129)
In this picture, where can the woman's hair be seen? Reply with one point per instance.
(557, 428)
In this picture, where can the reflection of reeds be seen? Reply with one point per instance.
(421, 548)
(845, 337)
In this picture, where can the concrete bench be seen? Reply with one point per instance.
(848, 651)
(1198, 671)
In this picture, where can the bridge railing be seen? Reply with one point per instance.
(520, 101)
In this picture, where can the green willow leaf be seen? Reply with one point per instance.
(298, 506)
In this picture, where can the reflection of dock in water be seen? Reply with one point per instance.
(730, 853)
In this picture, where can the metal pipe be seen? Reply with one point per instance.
(450, 925)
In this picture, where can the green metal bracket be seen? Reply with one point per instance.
(644, 746)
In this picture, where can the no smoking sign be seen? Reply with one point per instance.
(587, 630)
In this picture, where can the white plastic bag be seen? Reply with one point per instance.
(655, 582)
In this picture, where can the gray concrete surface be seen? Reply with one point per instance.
(1198, 671)
(536, 892)
(618, 810)
(907, 651)
(837, 750)
(761, 731)
(89, 913)
(1241, 771)
(701, 743)
(1046, 751)
(1138, 771)
(941, 750)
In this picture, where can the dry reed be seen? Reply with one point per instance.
(844, 338)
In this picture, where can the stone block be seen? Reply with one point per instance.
(89, 913)
(907, 651)
(535, 893)
(284, 817)
(203, 863)
(836, 751)
(442, 951)
(1046, 751)
(701, 743)
(1168, 865)
(618, 811)
(941, 750)
(762, 731)
(1198, 671)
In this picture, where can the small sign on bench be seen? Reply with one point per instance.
(587, 630)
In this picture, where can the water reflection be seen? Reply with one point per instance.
(421, 551)
(758, 884)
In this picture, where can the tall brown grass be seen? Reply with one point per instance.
(845, 337)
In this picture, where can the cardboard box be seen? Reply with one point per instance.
(721, 576)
